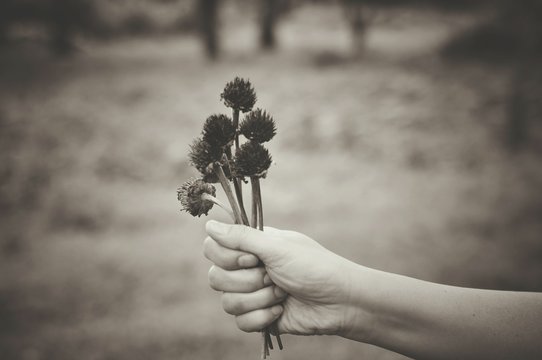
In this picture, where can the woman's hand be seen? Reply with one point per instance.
(310, 290)
(302, 284)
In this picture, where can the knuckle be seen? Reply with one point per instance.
(213, 278)
(242, 324)
(226, 304)
(231, 306)
(218, 255)
(207, 245)
(261, 277)
(227, 260)
(253, 279)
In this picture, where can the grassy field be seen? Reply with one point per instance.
(394, 160)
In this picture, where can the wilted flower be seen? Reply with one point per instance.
(252, 160)
(258, 126)
(192, 197)
(239, 95)
(218, 131)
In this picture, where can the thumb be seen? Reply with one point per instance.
(240, 237)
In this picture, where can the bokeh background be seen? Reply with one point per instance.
(409, 140)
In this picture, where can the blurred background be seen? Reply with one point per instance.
(409, 140)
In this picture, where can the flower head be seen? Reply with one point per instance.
(258, 126)
(218, 131)
(190, 194)
(203, 156)
(239, 95)
(252, 160)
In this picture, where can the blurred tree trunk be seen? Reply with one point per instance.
(3, 30)
(269, 10)
(208, 16)
(62, 25)
(355, 14)
(4, 19)
(525, 18)
(517, 114)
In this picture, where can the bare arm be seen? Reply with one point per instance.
(432, 321)
(310, 290)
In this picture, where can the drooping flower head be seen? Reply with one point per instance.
(190, 194)
(258, 126)
(239, 95)
(252, 160)
(203, 156)
(218, 131)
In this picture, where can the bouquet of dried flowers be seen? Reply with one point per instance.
(220, 157)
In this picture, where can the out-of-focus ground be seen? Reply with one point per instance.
(394, 160)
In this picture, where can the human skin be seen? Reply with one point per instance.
(309, 290)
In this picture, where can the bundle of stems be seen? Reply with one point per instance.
(220, 157)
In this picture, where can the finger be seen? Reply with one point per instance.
(240, 237)
(241, 303)
(227, 259)
(238, 281)
(258, 319)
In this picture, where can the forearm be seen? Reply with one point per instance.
(427, 320)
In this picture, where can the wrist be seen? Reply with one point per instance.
(359, 316)
(388, 310)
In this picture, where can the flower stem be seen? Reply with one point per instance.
(257, 191)
(238, 189)
(277, 335)
(254, 206)
(237, 184)
(257, 194)
(264, 346)
(214, 200)
(229, 194)
(266, 338)
(239, 194)
(236, 126)
(269, 341)
(256, 201)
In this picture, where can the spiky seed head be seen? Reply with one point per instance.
(258, 126)
(218, 131)
(239, 95)
(210, 178)
(203, 156)
(252, 160)
(190, 195)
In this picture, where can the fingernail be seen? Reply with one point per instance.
(267, 280)
(279, 292)
(247, 260)
(276, 310)
(216, 228)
